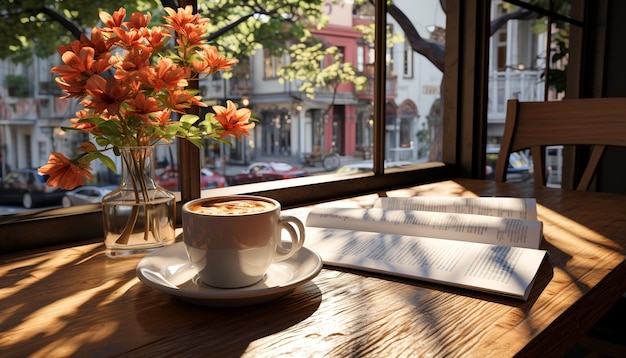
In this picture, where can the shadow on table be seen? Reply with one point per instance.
(206, 331)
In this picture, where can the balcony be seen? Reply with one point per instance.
(523, 85)
(367, 92)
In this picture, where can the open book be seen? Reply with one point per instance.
(486, 244)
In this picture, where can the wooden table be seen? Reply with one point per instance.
(76, 301)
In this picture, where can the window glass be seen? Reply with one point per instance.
(271, 64)
(407, 61)
(331, 129)
(313, 123)
(528, 62)
(559, 8)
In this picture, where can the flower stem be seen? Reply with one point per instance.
(130, 167)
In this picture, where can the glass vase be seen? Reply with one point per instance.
(139, 216)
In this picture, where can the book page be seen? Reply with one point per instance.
(502, 270)
(464, 227)
(505, 207)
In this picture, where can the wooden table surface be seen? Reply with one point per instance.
(76, 301)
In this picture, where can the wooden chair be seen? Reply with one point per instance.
(597, 122)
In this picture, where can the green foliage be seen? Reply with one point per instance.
(238, 28)
(270, 24)
(560, 37)
(106, 160)
(36, 26)
(562, 7)
(33, 26)
(315, 66)
(17, 85)
(368, 35)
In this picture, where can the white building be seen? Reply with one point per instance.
(290, 124)
(31, 114)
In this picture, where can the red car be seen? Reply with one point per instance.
(208, 179)
(267, 171)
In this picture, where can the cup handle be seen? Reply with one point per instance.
(297, 238)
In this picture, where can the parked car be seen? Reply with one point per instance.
(86, 195)
(267, 171)
(520, 168)
(213, 179)
(209, 179)
(367, 166)
(28, 187)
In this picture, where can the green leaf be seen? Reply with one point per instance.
(103, 158)
(198, 142)
(189, 118)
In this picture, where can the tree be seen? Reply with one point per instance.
(34, 26)
(237, 28)
(318, 65)
(283, 27)
(435, 51)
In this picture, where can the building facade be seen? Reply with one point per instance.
(290, 124)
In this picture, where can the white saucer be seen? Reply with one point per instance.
(168, 270)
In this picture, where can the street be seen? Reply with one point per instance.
(230, 170)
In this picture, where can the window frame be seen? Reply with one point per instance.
(271, 64)
(59, 226)
(463, 149)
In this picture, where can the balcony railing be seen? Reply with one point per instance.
(523, 85)
(391, 87)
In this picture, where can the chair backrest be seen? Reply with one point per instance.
(597, 122)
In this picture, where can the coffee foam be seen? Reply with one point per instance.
(232, 207)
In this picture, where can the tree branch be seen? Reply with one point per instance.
(64, 21)
(170, 3)
(227, 28)
(433, 51)
(519, 14)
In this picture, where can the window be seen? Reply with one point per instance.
(407, 60)
(524, 52)
(360, 58)
(390, 55)
(462, 118)
(271, 64)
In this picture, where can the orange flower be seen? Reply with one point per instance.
(98, 42)
(78, 123)
(76, 64)
(156, 38)
(138, 20)
(142, 106)
(178, 101)
(190, 28)
(74, 47)
(128, 38)
(236, 122)
(162, 117)
(177, 20)
(193, 35)
(128, 65)
(106, 94)
(165, 75)
(115, 20)
(74, 87)
(64, 173)
(211, 61)
(132, 106)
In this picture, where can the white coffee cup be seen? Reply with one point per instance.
(233, 240)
